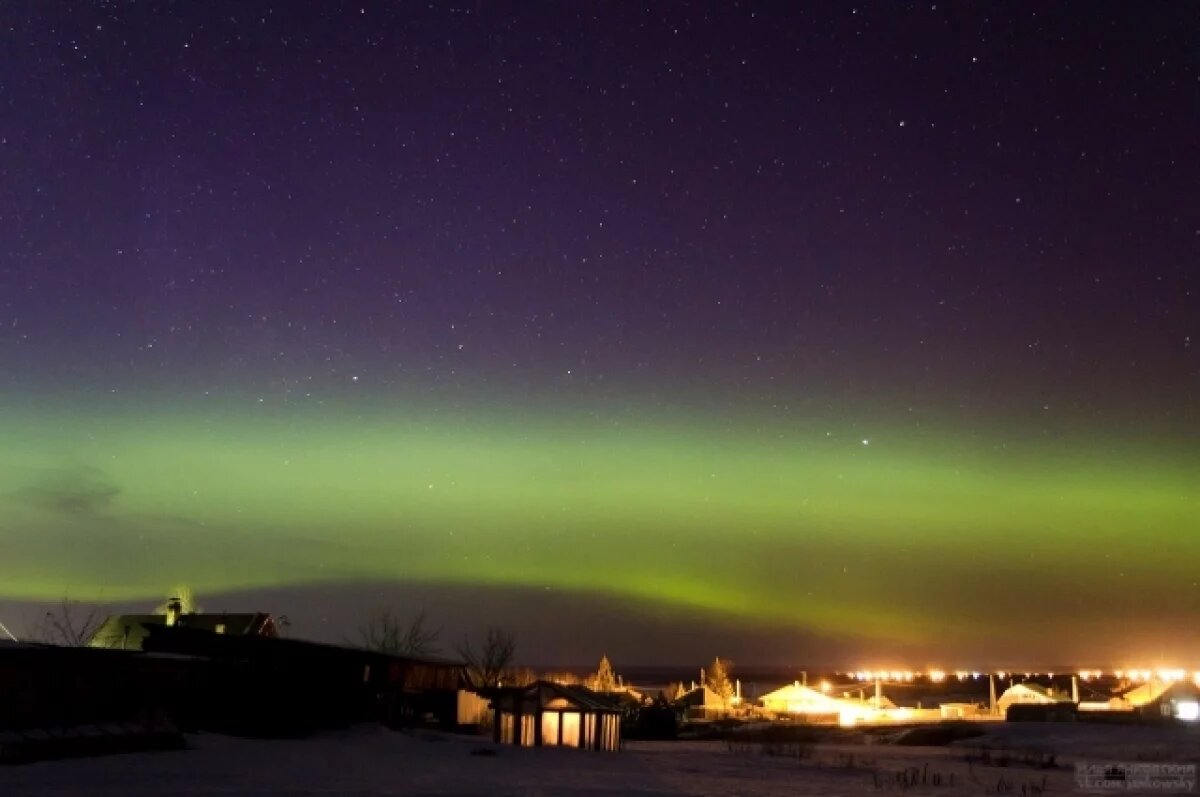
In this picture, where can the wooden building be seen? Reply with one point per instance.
(272, 686)
(546, 714)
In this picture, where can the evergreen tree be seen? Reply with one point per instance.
(718, 678)
(604, 680)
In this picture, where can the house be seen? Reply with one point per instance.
(700, 703)
(1164, 699)
(797, 699)
(129, 631)
(1034, 702)
(546, 714)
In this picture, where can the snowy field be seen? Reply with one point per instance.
(372, 761)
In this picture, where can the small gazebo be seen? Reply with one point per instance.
(546, 714)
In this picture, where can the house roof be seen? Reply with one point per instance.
(128, 631)
(701, 696)
(1043, 694)
(542, 695)
(796, 693)
(1155, 690)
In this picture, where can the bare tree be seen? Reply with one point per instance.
(487, 665)
(388, 633)
(523, 676)
(673, 691)
(71, 624)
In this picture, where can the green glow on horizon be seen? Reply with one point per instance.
(796, 527)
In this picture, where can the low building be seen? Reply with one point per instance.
(547, 714)
(701, 703)
(962, 711)
(798, 699)
(47, 686)
(272, 685)
(1164, 699)
(472, 709)
(1027, 694)
(1030, 702)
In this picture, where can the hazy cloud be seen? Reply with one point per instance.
(69, 491)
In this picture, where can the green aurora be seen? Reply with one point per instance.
(906, 533)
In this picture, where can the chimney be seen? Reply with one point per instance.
(174, 610)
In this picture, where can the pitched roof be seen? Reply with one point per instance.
(813, 700)
(550, 695)
(1155, 690)
(128, 631)
(1039, 693)
(701, 696)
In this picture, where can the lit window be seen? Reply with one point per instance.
(220, 628)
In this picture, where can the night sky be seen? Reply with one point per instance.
(856, 333)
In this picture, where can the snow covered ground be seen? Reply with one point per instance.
(373, 761)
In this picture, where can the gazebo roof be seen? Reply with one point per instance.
(551, 696)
